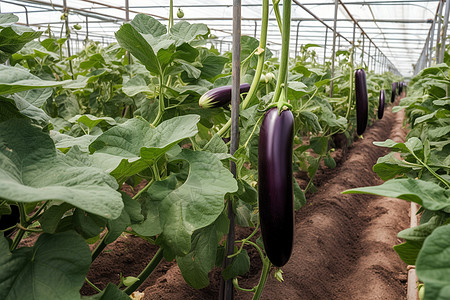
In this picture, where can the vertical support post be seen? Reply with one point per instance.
(444, 31)
(438, 38)
(127, 18)
(430, 55)
(66, 21)
(353, 42)
(368, 57)
(333, 57)
(26, 15)
(362, 52)
(296, 39)
(376, 59)
(87, 28)
(227, 292)
(325, 46)
(256, 26)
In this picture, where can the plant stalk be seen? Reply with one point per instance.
(282, 73)
(259, 67)
(161, 103)
(21, 232)
(146, 272)
(262, 279)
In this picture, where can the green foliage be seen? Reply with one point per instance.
(421, 175)
(75, 132)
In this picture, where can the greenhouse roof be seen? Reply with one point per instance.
(398, 28)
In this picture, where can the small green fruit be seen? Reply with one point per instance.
(180, 13)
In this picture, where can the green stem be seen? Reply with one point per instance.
(431, 171)
(146, 272)
(260, 65)
(21, 232)
(276, 10)
(161, 102)
(100, 247)
(29, 229)
(350, 94)
(253, 131)
(92, 285)
(282, 74)
(171, 14)
(9, 228)
(249, 57)
(36, 214)
(145, 188)
(263, 278)
(310, 98)
(236, 285)
(245, 241)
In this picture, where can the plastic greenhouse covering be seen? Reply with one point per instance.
(398, 28)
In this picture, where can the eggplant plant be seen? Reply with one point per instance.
(422, 176)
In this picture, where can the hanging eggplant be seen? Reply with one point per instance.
(381, 105)
(275, 190)
(394, 91)
(220, 96)
(400, 88)
(362, 104)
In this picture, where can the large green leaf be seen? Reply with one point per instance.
(433, 264)
(31, 170)
(13, 38)
(36, 97)
(197, 202)
(415, 237)
(148, 25)
(389, 166)
(196, 265)
(185, 32)
(430, 195)
(129, 148)
(137, 84)
(16, 79)
(131, 40)
(24, 108)
(91, 121)
(8, 19)
(54, 268)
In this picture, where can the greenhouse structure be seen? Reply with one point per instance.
(238, 149)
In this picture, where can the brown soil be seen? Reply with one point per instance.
(343, 243)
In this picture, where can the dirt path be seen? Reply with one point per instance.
(343, 243)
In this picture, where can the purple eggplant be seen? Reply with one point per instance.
(400, 88)
(220, 96)
(394, 91)
(275, 190)
(381, 105)
(362, 104)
